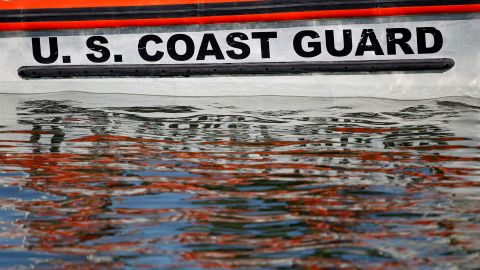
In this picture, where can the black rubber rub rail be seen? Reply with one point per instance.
(276, 68)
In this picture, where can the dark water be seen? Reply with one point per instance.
(138, 182)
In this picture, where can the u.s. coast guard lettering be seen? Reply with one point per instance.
(287, 44)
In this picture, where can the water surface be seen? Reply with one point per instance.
(137, 182)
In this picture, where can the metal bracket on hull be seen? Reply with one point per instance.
(274, 68)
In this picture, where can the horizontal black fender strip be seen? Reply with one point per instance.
(274, 68)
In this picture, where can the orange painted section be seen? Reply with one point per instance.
(39, 4)
(286, 16)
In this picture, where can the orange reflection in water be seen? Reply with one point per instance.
(240, 195)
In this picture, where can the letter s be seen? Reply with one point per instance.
(91, 44)
(244, 48)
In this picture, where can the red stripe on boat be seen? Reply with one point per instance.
(284, 16)
(52, 4)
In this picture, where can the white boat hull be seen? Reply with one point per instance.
(461, 43)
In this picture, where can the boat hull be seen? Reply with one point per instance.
(365, 70)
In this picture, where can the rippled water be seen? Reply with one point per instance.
(136, 182)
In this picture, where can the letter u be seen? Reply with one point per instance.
(37, 51)
(347, 43)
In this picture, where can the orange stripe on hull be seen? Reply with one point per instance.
(52, 4)
(286, 16)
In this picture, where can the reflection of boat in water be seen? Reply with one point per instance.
(231, 183)
(393, 49)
